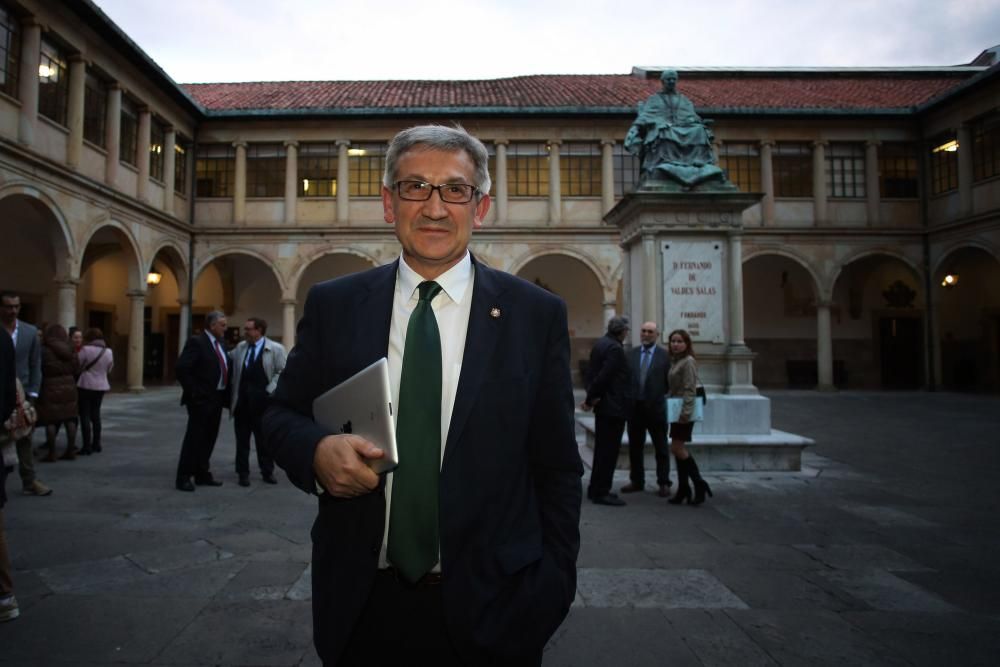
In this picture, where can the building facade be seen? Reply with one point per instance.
(876, 184)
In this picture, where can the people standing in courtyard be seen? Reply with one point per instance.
(650, 365)
(28, 357)
(96, 361)
(466, 553)
(684, 385)
(204, 372)
(8, 402)
(609, 395)
(257, 363)
(57, 402)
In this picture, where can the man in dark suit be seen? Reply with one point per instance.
(204, 373)
(466, 553)
(28, 355)
(609, 395)
(650, 365)
(257, 365)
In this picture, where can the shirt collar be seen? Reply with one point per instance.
(454, 282)
(212, 338)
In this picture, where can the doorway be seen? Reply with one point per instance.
(901, 352)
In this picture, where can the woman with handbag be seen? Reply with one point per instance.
(57, 404)
(683, 380)
(96, 360)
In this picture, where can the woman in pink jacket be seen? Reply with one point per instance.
(96, 361)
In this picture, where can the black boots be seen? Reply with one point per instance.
(688, 469)
(683, 489)
(701, 487)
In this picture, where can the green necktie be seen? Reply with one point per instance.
(413, 519)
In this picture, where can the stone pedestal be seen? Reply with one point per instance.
(684, 257)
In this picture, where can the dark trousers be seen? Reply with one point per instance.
(401, 624)
(607, 444)
(90, 416)
(645, 418)
(199, 438)
(246, 422)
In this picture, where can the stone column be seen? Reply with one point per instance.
(291, 181)
(240, 183)
(142, 159)
(610, 310)
(67, 301)
(607, 175)
(501, 176)
(735, 287)
(873, 197)
(182, 326)
(819, 183)
(27, 82)
(113, 133)
(77, 77)
(767, 181)
(824, 347)
(343, 181)
(169, 162)
(136, 344)
(555, 198)
(288, 323)
(965, 169)
(650, 308)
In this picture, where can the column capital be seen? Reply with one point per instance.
(735, 233)
(111, 86)
(608, 142)
(289, 302)
(183, 301)
(136, 294)
(501, 142)
(143, 109)
(820, 143)
(30, 21)
(343, 142)
(239, 144)
(824, 303)
(873, 142)
(553, 142)
(76, 58)
(291, 144)
(767, 142)
(169, 129)
(63, 283)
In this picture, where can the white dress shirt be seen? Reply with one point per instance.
(451, 307)
(220, 351)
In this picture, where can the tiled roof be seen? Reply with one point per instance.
(758, 92)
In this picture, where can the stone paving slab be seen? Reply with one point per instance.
(653, 589)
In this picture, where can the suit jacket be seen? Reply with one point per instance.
(657, 382)
(273, 357)
(28, 353)
(510, 479)
(610, 379)
(198, 370)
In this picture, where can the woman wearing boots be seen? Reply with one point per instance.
(57, 400)
(683, 379)
(96, 361)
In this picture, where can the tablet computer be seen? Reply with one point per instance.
(362, 405)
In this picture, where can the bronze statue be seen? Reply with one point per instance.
(672, 141)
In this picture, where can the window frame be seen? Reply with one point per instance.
(625, 164)
(527, 169)
(899, 170)
(10, 52)
(266, 166)
(157, 154)
(792, 166)
(370, 164)
(943, 164)
(215, 171)
(845, 170)
(317, 165)
(580, 169)
(182, 148)
(985, 148)
(53, 92)
(128, 133)
(95, 109)
(741, 158)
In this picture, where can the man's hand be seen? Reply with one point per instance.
(340, 465)
(587, 407)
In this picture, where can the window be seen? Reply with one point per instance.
(318, 170)
(986, 148)
(741, 162)
(845, 170)
(128, 148)
(627, 170)
(527, 170)
(580, 170)
(95, 109)
(366, 162)
(793, 172)
(53, 83)
(10, 51)
(181, 147)
(944, 164)
(898, 170)
(265, 170)
(215, 170)
(157, 141)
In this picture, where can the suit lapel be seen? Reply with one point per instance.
(480, 341)
(372, 306)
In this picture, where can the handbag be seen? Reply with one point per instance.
(675, 406)
(19, 424)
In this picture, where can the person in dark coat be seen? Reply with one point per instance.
(650, 365)
(57, 401)
(609, 395)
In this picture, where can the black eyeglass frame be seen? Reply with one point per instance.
(473, 191)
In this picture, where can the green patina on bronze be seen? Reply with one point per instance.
(674, 144)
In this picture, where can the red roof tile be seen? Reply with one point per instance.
(748, 91)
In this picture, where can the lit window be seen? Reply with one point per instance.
(129, 140)
(215, 170)
(366, 162)
(157, 141)
(53, 83)
(898, 170)
(741, 162)
(580, 170)
(527, 170)
(944, 164)
(180, 165)
(317, 170)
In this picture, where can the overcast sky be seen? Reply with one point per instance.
(279, 40)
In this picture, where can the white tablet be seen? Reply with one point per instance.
(362, 405)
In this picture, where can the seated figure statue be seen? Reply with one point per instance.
(671, 140)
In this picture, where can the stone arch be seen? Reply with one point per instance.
(961, 245)
(136, 275)
(873, 252)
(817, 284)
(177, 261)
(66, 244)
(316, 256)
(528, 257)
(222, 252)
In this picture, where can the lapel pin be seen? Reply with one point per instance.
(495, 312)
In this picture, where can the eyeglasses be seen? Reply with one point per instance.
(648, 330)
(451, 193)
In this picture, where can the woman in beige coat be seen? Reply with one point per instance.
(683, 380)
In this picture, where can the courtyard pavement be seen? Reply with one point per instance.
(884, 550)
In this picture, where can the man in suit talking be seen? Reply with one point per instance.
(650, 365)
(466, 553)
